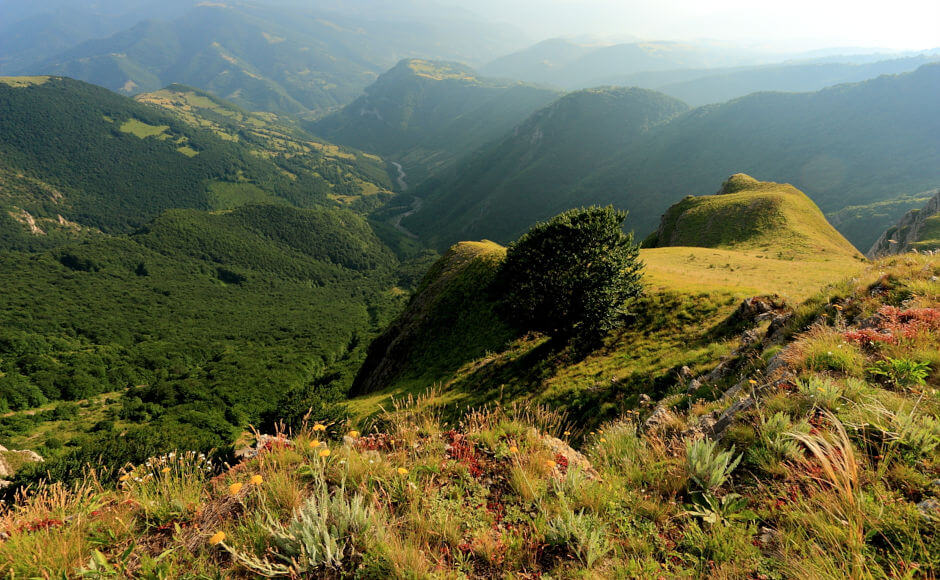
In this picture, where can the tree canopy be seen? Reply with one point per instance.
(570, 276)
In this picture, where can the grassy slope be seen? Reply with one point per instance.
(748, 214)
(833, 464)
(451, 321)
(764, 238)
(756, 237)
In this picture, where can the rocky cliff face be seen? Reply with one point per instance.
(909, 232)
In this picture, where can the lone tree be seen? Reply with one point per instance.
(569, 277)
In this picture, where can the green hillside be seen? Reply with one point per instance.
(850, 145)
(774, 455)
(751, 239)
(529, 175)
(105, 162)
(195, 326)
(451, 320)
(354, 177)
(426, 114)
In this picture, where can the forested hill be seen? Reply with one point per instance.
(73, 156)
(425, 114)
(531, 173)
(354, 178)
(848, 145)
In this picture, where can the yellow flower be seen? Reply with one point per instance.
(324, 453)
(602, 440)
(752, 381)
(124, 477)
(218, 538)
(319, 427)
(567, 433)
(314, 443)
(550, 464)
(255, 480)
(165, 470)
(514, 449)
(402, 471)
(235, 488)
(354, 434)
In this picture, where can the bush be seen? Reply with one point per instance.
(708, 466)
(570, 276)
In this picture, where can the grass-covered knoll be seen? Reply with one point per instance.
(747, 214)
(106, 162)
(197, 325)
(819, 465)
(353, 177)
(427, 114)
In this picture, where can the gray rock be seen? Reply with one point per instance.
(930, 508)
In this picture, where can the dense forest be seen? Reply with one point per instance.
(198, 323)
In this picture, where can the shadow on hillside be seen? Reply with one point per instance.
(506, 378)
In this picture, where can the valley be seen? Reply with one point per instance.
(423, 289)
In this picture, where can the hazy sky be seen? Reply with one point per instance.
(793, 24)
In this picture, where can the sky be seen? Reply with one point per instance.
(790, 25)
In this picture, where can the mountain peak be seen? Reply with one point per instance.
(737, 182)
(751, 214)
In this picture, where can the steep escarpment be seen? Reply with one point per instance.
(450, 320)
(919, 229)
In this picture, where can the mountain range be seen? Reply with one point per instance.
(299, 58)
(848, 145)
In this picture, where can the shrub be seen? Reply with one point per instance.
(904, 373)
(570, 276)
(581, 533)
(824, 349)
(708, 466)
(824, 393)
(321, 533)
